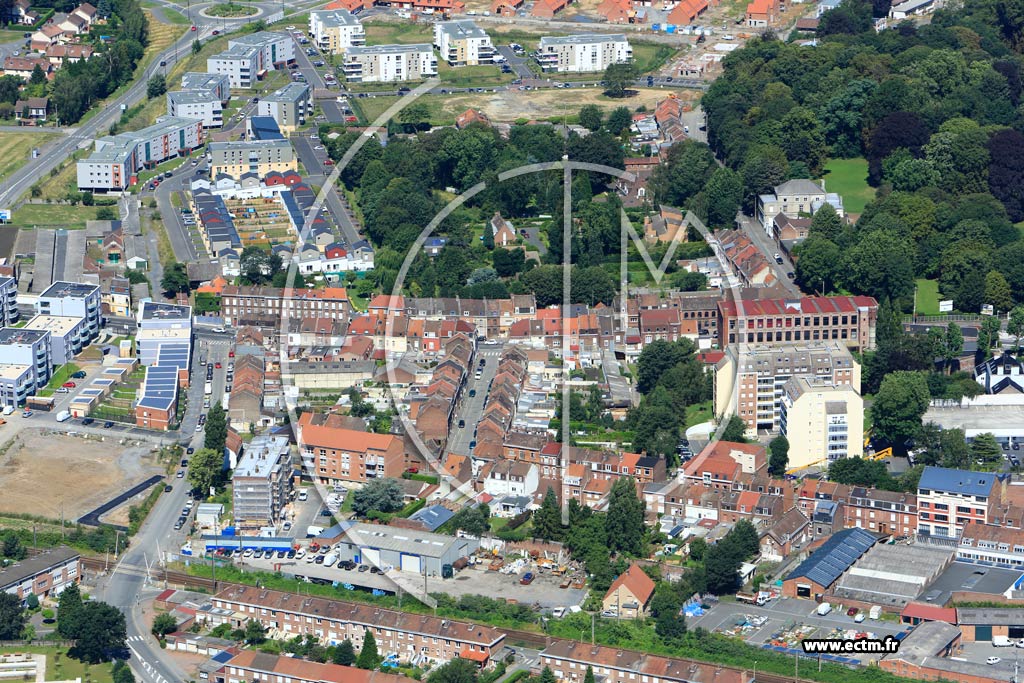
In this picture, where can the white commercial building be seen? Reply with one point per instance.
(288, 106)
(74, 300)
(823, 421)
(335, 31)
(117, 159)
(165, 331)
(389, 63)
(249, 57)
(463, 43)
(583, 52)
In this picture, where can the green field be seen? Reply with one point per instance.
(60, 667)
(16, 148)
(928, 297)
(386, 33)
(53, 216)
(849, 177)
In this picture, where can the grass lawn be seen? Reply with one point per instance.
(61, 667)
(650, 56)
(472, 76)
(7, 36)
(53, 215)
(63, 374)
(16, 148)
(172, 16)
(698, 413)
(849, 177)
(928, 297)
(394, 32)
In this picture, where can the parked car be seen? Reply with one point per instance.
(363, 568)
(88, 421)
(168, 488)
(61, 390)
(527, 579)
(78, 375)
(993, 660)
(852, 612)
(180, 474)
(69, 385)
(108, 424)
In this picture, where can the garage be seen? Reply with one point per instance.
(371, 556)
(411, 564)
(803, 590)
(983, 633)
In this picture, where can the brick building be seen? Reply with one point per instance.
(45, 574)
(336, 454)
(849, 319)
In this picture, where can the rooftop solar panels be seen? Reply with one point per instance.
(834, 557)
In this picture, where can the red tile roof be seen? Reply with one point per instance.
(636, 581)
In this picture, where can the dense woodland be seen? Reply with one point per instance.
(936, 111)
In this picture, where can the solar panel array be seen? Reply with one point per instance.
(160, 387)
(834, 557)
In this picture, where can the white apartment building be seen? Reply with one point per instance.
(949, 499)
(248, 58)
(117, 159)
(749, 384)
(288, 106)
(260, 484)
(68, 335)
(251, 156)
(823, 422)
(25, 364)
(74, 300)
(582, 53)
(463, 43)
(196, 105)
(8, 301)
(219, 84)
(335, 31)
(390, 63)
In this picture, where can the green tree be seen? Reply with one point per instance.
(827, 223)
(734, 431)
(698, 549)
(196, 47)
(105, 213)
(547, 519)
(901, 401)
(617, 79)
(547, 675)
(722, 566)
(368, 657)
(255, 633)
(156, 86)
(624, 523)
(590, 117)
(779, 456)
(37, 77)
(986, 450)
(344, 654)
(216, 428)
(163, 624)
(12, 547)
(724, 193)
(954, 344)
(820, 265)
(206, 471)
(100, 631)
(122, 673)
(745, 536)
(382, 495)
(472, 520)
(588, 677)
(12, 617)
(1015, 324)
(69, 609)
(997, 292)
(988, 336)
(619, 120)
(175, 279)
(457, 670)
(32, 601)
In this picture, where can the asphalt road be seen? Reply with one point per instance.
(471, 408)
(312, 160)
(185, 250)
(92, 517)
(769, 248)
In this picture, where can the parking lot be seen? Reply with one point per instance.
(780, 617)
(543, 592)
(978, 653)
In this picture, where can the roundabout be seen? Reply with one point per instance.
(231, 10)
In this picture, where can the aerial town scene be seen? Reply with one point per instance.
(511, 341)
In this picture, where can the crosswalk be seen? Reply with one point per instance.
(151, 673)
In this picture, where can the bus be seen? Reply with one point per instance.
(209, 388)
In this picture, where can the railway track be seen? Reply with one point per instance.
(517, 636)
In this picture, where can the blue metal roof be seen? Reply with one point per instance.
(265, 128)
(957, 481)
(834, 557)
(433, 517)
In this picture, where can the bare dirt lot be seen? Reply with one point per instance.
(40, 472)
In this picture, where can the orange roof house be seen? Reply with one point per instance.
(687, 11)
(505, 8)
(630, 593)
(214, 286)
(616, 11)
(762, 13)
(547, 9)
(471, 116)
(350, 5)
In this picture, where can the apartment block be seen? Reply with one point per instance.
(335, 31)
(583, 52)
(848, 319)
(949, 499)
(25, 363)
(251, 665)
(288, 106)
(218, 84)
(164, 346)
(116, 160)
(823, 422)
(991, 544)
(413, 637)
(259, 484)
(463, 43)
(238, 157)
(389, 63)
(205, 106)
(750, 384)
(68, 335)
(75, 300)
(336, 455)
(265, 306)
(249, 57)
(45, 575)
(8, 301)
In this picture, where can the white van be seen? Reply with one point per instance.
(824, 608)
(63, 416)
